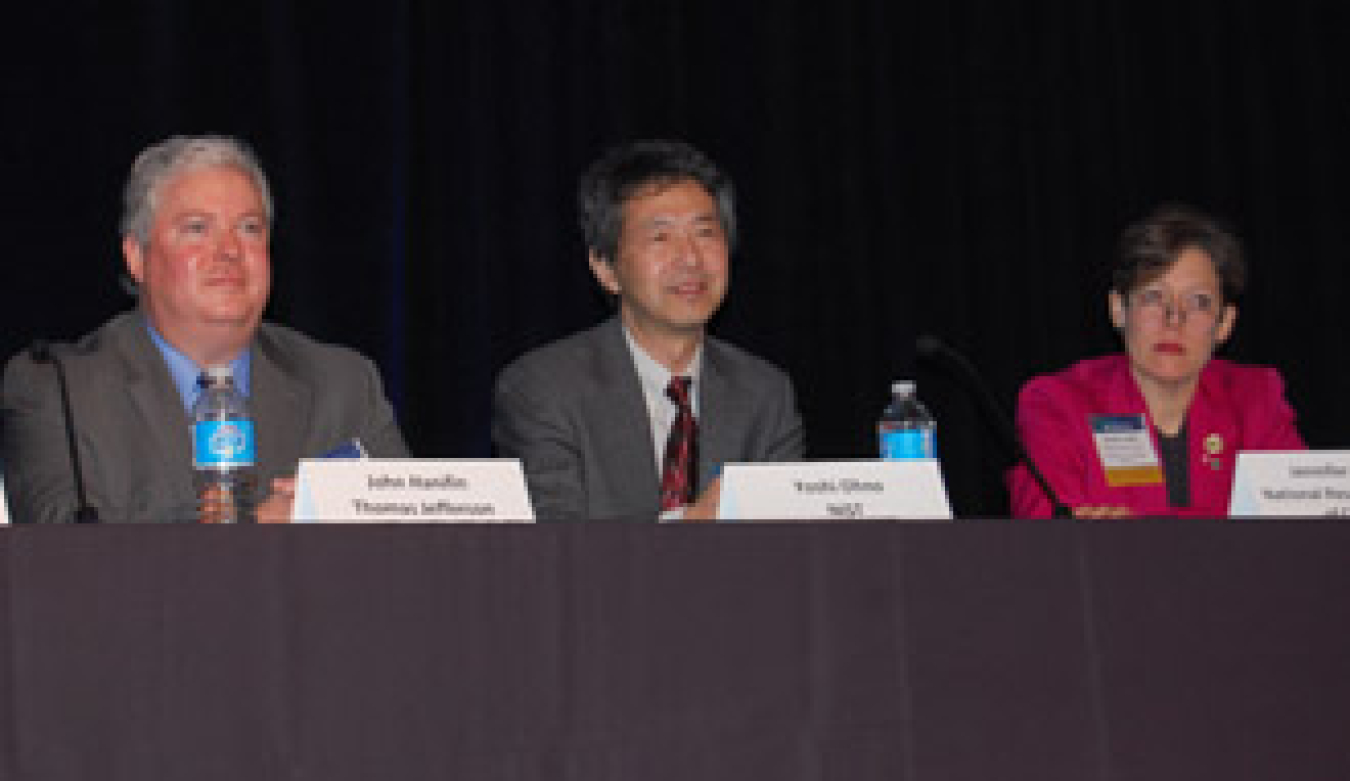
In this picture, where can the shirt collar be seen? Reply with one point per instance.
(185, 372)
(655, 377)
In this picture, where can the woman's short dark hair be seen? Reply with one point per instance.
(631, 169)
(1151, 246)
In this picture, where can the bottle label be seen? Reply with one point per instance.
(909, 443)
(222, 443)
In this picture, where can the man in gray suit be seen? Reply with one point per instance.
(195, 232)
(633, 418)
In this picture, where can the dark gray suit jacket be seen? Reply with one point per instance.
(573, 412)
(306, 398)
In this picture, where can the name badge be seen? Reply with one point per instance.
(1125, 450)
(1298, 484)
(410, 490)
(834, 490)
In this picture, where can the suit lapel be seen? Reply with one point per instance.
(721, 414)
(1211, 441)
(156, 400)
(620, 425)
(281, 406)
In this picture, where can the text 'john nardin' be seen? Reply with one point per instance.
(428, 483)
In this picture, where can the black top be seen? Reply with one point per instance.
(1176, 467)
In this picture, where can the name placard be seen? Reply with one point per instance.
(1298, 484)
(834, 490)
(411, 490)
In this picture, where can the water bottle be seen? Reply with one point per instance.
(906, 429)
(223, 452)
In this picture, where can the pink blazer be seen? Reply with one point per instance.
(1235, 408)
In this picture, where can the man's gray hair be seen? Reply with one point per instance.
(161, 162)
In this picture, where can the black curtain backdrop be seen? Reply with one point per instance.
(957, 168)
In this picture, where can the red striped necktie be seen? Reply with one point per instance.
(678, 469)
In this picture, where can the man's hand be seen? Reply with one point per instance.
(276, 508)
(704, 509)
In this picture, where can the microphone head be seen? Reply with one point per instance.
(928, 346)
(932, 348)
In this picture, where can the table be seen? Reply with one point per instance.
(975, 650)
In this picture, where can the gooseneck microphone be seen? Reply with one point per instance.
(42, 351)
(932, 348)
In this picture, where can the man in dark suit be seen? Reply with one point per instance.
(195, 233)
(633, 418)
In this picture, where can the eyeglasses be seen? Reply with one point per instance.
(1157, 305)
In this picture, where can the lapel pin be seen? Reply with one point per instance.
(1213, 449)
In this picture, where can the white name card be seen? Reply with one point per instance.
(1299, 484)
(411, 490)
(834, 490)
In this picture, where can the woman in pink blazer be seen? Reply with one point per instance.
(1094, 427)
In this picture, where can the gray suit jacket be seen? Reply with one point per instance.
(573, 412)
(306, 398)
